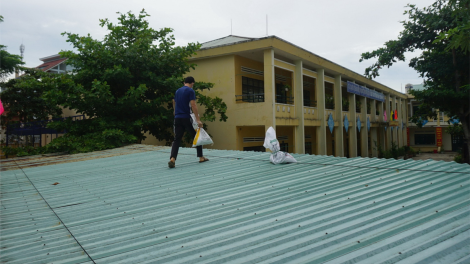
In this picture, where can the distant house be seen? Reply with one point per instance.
(54, 64)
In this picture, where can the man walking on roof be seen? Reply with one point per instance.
(185, 98)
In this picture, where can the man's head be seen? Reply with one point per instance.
(189, 81)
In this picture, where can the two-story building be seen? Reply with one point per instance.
(315, 105)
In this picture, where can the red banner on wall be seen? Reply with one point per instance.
(407, 136)
(439, 136)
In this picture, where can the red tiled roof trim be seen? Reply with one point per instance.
(47, 65)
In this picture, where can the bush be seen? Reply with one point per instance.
(111, 138)
(394, 152)
(458, 158)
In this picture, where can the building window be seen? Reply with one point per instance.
(256, 149)
(284, 147)
(425, 139)
(281, 94)
(308, 148)
(252, 90)
(307, 98)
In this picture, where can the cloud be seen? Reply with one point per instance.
(338, 30)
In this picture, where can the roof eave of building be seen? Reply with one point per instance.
(273, 37)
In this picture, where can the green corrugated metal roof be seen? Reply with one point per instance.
(236, 208)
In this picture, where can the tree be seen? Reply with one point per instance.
(125, 83)
(459, 36)
(22, 97)
(444, 62)
(8, 62)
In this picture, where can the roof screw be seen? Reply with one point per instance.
(200, 256)
(299, 225)
(402, 206)
(255, 213)
(358, 241)
(166, 237)
(47, 253)
(325, 193)
(399, 252)
(154, 230)
(44, 244)
(326, 233)
(436, 211)
(348, 198)
(142, 223)
(276, 219)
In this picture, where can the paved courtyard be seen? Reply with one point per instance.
(449, 156)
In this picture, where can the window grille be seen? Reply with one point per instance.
(253, 139)
(252, 71)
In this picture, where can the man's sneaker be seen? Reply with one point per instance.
(171, 164)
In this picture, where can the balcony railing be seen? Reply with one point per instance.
(281, 99)
(330, 105)
(250, 98)
(310, 103)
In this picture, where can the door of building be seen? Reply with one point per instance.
(457, 143)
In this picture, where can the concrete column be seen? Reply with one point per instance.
(353, 129)
(364, 132)
(405, 120)
(299, 132)
(373, 130)
(400, 120)
(394, 131)
(381, 119)
(388, 143)
(320, 94)
(338, 131)
(269, 89)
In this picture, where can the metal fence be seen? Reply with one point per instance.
(30, 133)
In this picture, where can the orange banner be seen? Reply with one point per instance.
(439, 136)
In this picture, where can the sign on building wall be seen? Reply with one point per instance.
(439, 136)
(407, 136)
(366, 92)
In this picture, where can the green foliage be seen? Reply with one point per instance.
(8, 62)
(455, 130)
(125, 84)
(329, 101)
(22, 97)
(440, 32)
(459, 36)
(358, 105)
(345, 104)
(394, 152)
(458, 158)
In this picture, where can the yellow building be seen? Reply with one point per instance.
(271, 82)
(432, 136)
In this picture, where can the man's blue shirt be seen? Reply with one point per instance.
(182, 98)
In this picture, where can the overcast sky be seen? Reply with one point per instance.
(337, 30)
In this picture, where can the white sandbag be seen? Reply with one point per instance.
(193, 121)
(202, 138)
(277, 156)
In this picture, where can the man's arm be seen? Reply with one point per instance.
(174, 107)
(196, 113)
